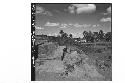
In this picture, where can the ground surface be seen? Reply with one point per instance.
(96, 63)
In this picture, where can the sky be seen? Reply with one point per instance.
(72, 18)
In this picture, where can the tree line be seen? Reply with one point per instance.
(90, 36)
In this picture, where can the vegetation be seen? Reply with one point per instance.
(96, 45)
(88, 37)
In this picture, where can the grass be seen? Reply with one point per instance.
(100, 52)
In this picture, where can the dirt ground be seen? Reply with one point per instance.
(100, 56)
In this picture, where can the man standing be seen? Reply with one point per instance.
(64, 53)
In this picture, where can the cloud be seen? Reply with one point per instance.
(108, 12)
(51, 24)
(41, 10)
(53, 34)
(82, 8)
(71, 25)
(78, 25)
(96, 25)
(109, 9)
(108, 19)
(86, 25)
(71, 9)
(36, 27)
(56, 34)
(50, 34)
(48, 13)
(57, 11)
(63, 26)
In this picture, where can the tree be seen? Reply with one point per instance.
(95, 35)
(70, 35)
(101, 35)
(91, 37)
(88, 36)
(108, 36)
(85, 34)
(61, 32)
(63, 38)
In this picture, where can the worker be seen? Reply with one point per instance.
(64, 53)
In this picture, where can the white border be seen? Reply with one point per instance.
(15, 43)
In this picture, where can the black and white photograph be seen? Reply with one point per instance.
(71, 41)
